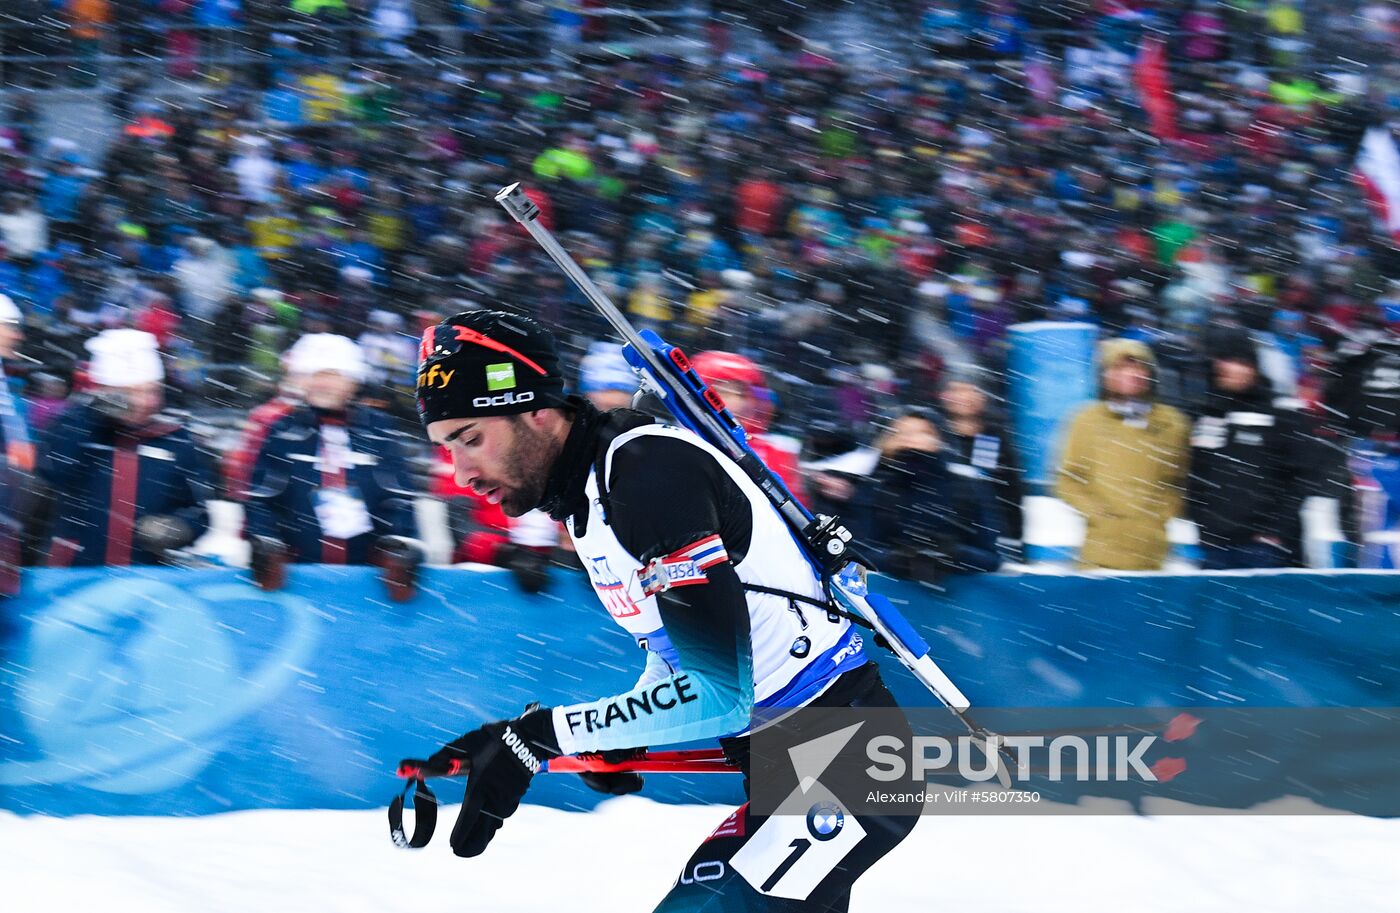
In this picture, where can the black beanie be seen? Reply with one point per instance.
(482, 363)
(1232, 344)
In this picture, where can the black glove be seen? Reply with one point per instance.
(499, 760)
(614, 784)
(529, 567)
(161, 533)
(399, 558)
(268, 562)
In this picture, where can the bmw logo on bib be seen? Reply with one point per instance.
(825, 820)
(801, 647)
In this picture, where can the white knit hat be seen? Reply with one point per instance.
(326, 352)
(124, 358)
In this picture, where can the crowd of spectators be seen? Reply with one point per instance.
(864, 236)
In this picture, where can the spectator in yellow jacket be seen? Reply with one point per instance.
(1124, 464)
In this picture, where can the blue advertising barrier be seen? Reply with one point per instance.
(1051, 367)
(188, 692)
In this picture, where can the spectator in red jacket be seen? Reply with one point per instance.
(740, 383)
(758, 205)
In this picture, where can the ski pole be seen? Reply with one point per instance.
(425, 805)
(690, 760)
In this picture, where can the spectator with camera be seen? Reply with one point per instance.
(918, 509)
(932, 515)
(128, 484)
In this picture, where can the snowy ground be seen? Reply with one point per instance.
(623, 857)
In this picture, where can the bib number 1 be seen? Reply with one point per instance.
(789, 855)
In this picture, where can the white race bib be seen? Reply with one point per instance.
(789, 855)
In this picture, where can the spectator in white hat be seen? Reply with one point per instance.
(128, 375)
(129, 486)
(323, 371)
(328, 368)
(329, 483)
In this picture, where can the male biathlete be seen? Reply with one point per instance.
(687, 555)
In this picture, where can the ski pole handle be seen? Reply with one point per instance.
(413, 769)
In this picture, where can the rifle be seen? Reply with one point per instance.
(825, 542)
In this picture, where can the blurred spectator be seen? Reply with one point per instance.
(930, 516)
(972, 441)
(606, 378)
(919, 510)
(47, 399)
(391, 357)
(205, 277)
(128, 484)
(1124, 464)
(88, 21)
(394, 24)
(61, 191)
(16, 451)
(758, 205)
(1364, 394)
(256, 171)
(238, 463)
(16, 443)
(1363, 398)
(24, 230)
(1250, 465)
(329, 484)
(740, 383)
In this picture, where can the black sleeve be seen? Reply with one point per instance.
(191, 500)
(666, 494)
(1343, 394)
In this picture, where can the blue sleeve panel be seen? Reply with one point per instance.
(709, 691)
(710, 696)
(662, 658)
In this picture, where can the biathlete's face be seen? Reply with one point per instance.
(505, 458)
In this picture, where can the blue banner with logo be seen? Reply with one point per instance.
(186, 692)
(1051, 366)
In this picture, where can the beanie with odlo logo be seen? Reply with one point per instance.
(483, 363)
